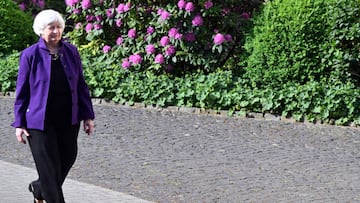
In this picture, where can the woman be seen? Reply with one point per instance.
(52, 99)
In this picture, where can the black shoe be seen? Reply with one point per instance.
(32, 190)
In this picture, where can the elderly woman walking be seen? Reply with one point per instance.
(52, 99)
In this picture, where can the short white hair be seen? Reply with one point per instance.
(46, 17)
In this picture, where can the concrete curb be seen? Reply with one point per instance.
(200, 111)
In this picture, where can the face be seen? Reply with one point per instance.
(52, 33)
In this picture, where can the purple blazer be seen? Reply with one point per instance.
(33, 84)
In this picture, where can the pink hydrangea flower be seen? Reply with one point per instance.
(245, 15)
(225, 11)
(76, 11)
(110, 12)
(125, 63)
(228, 38)
(159, 59)
(89, 27)
(78, 26)
(219, 39)
(170, 50)
(197, 21)
(120, 8)
(85, 4)
(189, 7)
(172, 32)
(98, 18)
(97, 26)
(164, 41)
(127, 7)
(71, 2)
(118, 22)
(135, 59)
(190, 37)
(41, 3)
(132, 33)
(119, 40)
(208, 4)
(106, 49)
(89, 18)
(178, 36)
(150, 49)
(159, 11)
(22, 6)
(181, 4)
(164, 15)
(150, 30)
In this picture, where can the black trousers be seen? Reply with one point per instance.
(54, 151)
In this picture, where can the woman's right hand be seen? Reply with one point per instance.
(19, 135)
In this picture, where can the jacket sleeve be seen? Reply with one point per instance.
(85, 105)
(22, 91)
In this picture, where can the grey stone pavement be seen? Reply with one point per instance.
(140, 155)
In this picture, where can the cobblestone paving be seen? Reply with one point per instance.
(166, 156)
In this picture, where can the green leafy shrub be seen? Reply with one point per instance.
(15, 28)
(344, 33)
(8, 68)
(303, 41)
(335, 103)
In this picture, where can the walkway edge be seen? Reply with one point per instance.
(15, 178)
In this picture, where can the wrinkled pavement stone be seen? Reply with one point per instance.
(166, 156)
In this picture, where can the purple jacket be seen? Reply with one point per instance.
(33, 84)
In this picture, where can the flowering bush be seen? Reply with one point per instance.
(31, 6)
(161, 35)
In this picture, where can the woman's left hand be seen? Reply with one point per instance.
(89, 126)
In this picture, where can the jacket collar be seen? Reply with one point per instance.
(42, 44)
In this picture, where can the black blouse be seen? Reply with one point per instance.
(58, 109)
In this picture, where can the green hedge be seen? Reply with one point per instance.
(302, 41)
(15, 28)
(8, 68)
(335, 103)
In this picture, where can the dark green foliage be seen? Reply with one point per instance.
(8, 69)
(15, 28)
(304, 55)
(58, 5)
(344, 35)
(302, 41)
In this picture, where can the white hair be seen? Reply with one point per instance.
(46, 17)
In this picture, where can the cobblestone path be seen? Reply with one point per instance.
(172, 157)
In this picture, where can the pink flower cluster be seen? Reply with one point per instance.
(162, 41)
(86, 4)
(30, 4)
(71, 2)
(134, 59)
(164, 15)
(174, 33)
(190, 7)
(220, 38)
(187, 6)
(106, 49)
(197, 21)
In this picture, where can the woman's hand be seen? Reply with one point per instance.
(89, 126)
(19, 134)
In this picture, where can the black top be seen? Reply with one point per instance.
(58, 109)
